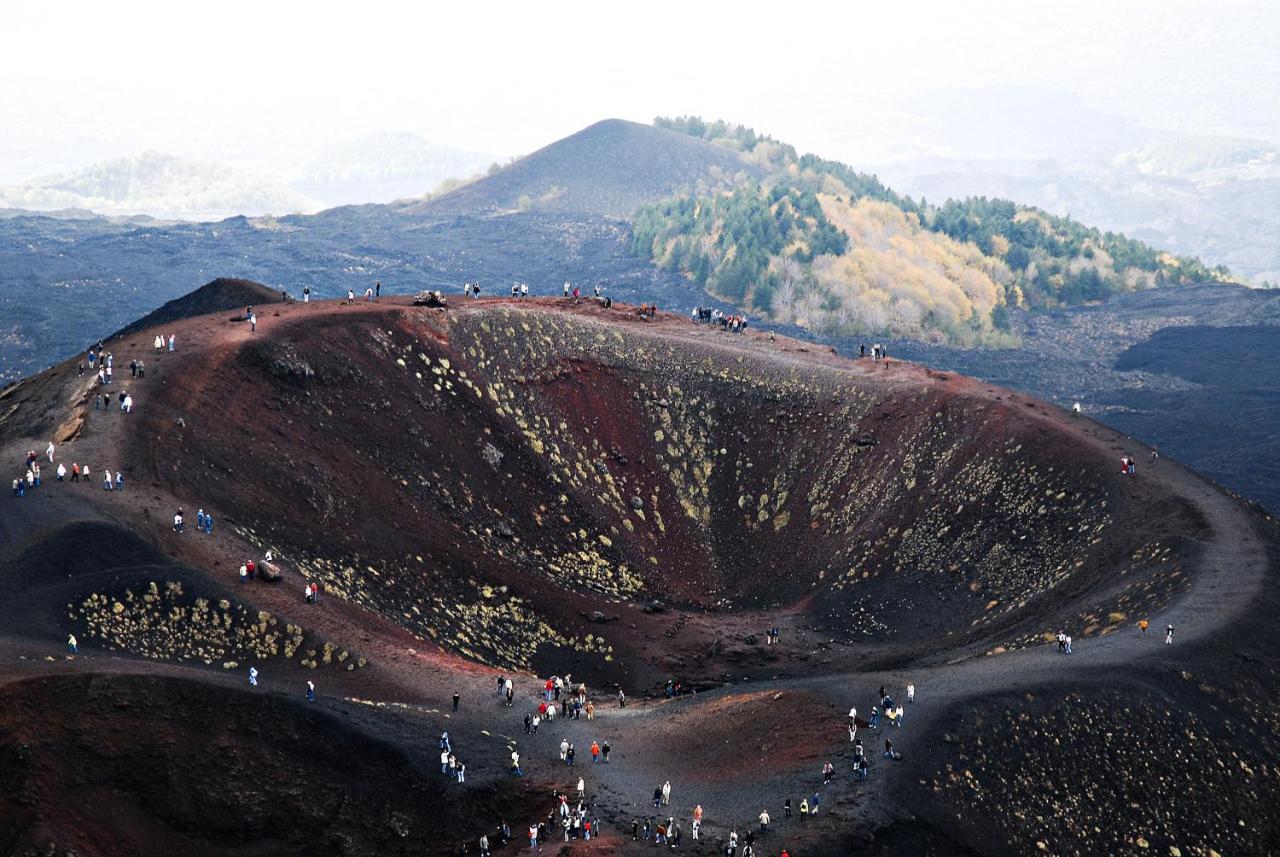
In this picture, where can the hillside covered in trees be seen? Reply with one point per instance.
(823, 246)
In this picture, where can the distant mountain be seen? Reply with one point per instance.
(610, 168)
(816, 243)
(384, 167)
(158, 185)
(1215, 197)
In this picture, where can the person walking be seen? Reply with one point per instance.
(253, 676)
(764, 821)
(73, 648)
(311, 691)
(1142, 626)
(666, 793)
(1168, 635)
(457, 697)
(911, 692)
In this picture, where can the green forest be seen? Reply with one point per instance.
(812, 241)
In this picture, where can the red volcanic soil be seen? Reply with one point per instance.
(534, 488)
(756, 735)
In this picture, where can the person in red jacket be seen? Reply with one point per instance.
(595, 751)
(250, 567)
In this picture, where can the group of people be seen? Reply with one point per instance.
(104, 361)
(124, 396)
(520, 290)
(878, 351)
(894, 715)
(204, 522)
(718, 318)
(449, 763)
(1064, 643)
(574, 817)
(159, 343)
(32, 478)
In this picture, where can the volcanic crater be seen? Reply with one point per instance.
(546, 487)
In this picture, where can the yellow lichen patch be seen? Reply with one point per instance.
(168, 626)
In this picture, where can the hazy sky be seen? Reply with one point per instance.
(260, 83)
